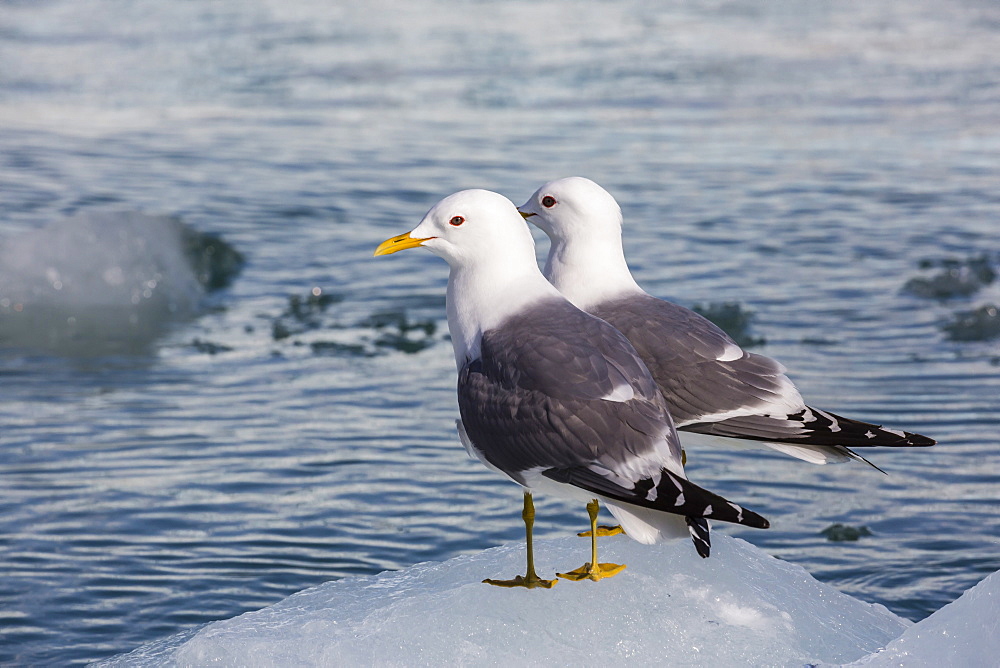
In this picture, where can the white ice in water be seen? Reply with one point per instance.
(669, 607)
(965, 632)
(100, 280)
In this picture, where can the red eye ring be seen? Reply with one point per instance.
(456, 221)
(548, 201)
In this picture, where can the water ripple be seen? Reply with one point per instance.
(758, 162)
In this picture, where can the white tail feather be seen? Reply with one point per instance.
(814, 454)
(648, 526)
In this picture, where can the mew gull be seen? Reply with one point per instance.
(551, 397)
(711, 385)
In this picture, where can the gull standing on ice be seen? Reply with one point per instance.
(711, 385)
(553, 398)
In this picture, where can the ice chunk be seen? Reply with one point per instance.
(965, 632)
(669, 607)
(105, 281)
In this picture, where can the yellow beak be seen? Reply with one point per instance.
(398, 243)
(524, 215)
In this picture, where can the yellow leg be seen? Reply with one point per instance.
(530, 579)
(593, 570)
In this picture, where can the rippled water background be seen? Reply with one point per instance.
(799, 159)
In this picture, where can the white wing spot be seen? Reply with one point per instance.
(895, 432)
(834, 425)
(739, 510)
(869, 434)
(622, 393)
(708, 511)
(652, 495)
(680, 499)
(731, 353)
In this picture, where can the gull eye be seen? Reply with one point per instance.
(456, 221)
(548, 201)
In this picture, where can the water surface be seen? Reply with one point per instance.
(799, 159)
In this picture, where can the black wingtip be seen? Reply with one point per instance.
(908, 439)
(864, 434)
(673, 494)
(919, 440)
(700, 535)
(812, 427)
(754, 521)
(747, 518)
(716, 507)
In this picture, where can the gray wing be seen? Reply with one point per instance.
(712, 386)
(535, 398)
(559, 350)
(535, 401)
(699, 368)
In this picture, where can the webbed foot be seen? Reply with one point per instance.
(529, 581)
(587, 572)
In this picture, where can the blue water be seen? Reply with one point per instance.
(799, 159)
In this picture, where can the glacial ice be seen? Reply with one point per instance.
(669, 607)
(105, 281)
(965, 632)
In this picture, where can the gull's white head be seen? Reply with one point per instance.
(572, 208)
(584, 222)
(471, 227)
(492, 257)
